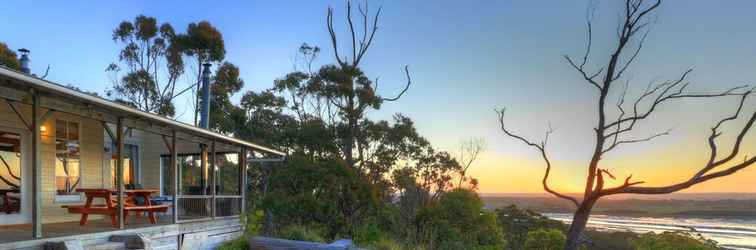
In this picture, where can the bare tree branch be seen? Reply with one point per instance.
(329, 21)
(589, 43)
(47, 71)
(703, 174)
(406, 87)
(619, 142)
(7, 166)
(542, 150)
(351, 30)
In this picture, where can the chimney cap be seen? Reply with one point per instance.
(24, 51)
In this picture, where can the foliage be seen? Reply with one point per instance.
(457, 220)
(225, 116)
(8, 57)
(516, 224)
(301, 233)
(236, 244)
(673, 241)
(204, 43)
(252, 222)
(324, 192)
(370, 234)
(386, 244)
(602, 240)
(545, 239)
(148, 51)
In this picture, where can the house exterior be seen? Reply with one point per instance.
(59, 144)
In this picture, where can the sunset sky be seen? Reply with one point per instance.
(466, 59)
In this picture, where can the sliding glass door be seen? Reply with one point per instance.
(12, 174)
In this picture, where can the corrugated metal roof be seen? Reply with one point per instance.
(57, 89)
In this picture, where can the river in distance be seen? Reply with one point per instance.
(737, 234)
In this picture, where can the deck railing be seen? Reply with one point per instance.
(227, 205)
(200, 207)
(194, 207)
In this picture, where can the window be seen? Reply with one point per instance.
(167, 175)
(190, 169)
(227, 171)
(131, 166)
(67, 158)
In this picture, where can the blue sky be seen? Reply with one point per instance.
(466, 58)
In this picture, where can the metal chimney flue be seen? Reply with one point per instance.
(24, 61)
(205, 97)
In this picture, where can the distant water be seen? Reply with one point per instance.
(729, 233)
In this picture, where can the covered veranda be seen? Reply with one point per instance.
(79, 164)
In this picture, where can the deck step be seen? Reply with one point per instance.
(132, 241)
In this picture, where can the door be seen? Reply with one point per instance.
(14, 201)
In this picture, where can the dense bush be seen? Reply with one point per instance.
(516, 223)
(602, 240)
(672, 241)
(545, 239)
(237, 244)
(457, 221)
(299, 232)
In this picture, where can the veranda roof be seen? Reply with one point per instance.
(107, 110)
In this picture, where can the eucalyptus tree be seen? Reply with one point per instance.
(149, 50)
(225, 83)
(204, 44)
(469, 151)
(8, 57)
(347, 88)
(614, 129)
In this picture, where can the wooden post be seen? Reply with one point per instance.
(119, 169)
(203, 168)
(37, 167)
(174, 165)
(243, 178)
(213, 180)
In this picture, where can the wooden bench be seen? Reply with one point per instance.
(110, 208)
(85, 211)
(150, 209)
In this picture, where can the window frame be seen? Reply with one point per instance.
(75, 196)
(138, 161)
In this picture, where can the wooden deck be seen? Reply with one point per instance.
(199, 234)
(51, 230)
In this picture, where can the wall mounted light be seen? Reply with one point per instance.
(43, 130)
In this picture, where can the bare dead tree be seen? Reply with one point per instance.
(469, 150)
(611, 133)
(356, 94)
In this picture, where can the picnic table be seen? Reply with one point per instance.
(111, 209)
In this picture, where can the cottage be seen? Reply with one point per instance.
(61, 152)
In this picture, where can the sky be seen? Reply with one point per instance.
(466, 58)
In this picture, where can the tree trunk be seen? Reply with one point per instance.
(579, 221)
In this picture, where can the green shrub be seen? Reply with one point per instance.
(300, 232)
(545, 239)
(516, 223)
(237, 244)
(458, 221)
(369, 234)
(386, 244)
(252, 222)
(673, 241)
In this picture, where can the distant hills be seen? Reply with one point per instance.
(673, 196)
(704, 205)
